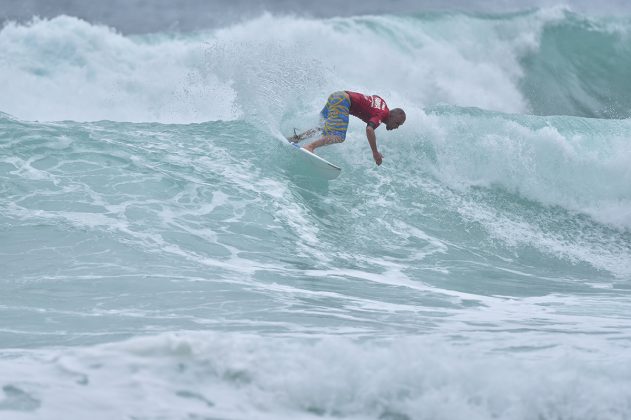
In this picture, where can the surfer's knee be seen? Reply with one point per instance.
(334, 139)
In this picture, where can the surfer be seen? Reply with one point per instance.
(370, 109)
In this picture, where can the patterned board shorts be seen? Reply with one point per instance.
(335, 116)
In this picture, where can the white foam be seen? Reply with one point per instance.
(67, 69)
(91, 72)
(241, 376)
(579, 164)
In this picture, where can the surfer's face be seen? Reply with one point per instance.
(392, 125)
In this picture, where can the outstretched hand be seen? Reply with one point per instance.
(378, 158)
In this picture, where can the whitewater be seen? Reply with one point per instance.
(164, 256)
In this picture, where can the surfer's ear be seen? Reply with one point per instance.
(399, 115)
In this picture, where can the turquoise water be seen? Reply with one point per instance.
(164, 256)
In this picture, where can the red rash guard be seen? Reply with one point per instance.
(369, 109)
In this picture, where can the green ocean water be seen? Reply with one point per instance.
(164, 254)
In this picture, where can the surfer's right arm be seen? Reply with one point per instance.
(372, 140)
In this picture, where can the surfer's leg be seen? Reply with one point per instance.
(323, 141)
(335, 116)
(299, 137)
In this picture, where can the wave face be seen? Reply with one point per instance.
(580, 68)
(161, 247)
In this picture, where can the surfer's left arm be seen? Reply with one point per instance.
(372, 140)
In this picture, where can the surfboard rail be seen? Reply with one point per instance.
(321, 166)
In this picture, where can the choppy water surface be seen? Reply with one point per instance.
(163, 255)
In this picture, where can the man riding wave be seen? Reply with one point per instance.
(372, 109)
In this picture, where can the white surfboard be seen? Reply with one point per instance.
(320, 166)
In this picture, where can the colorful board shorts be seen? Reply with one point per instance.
(335, 115)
